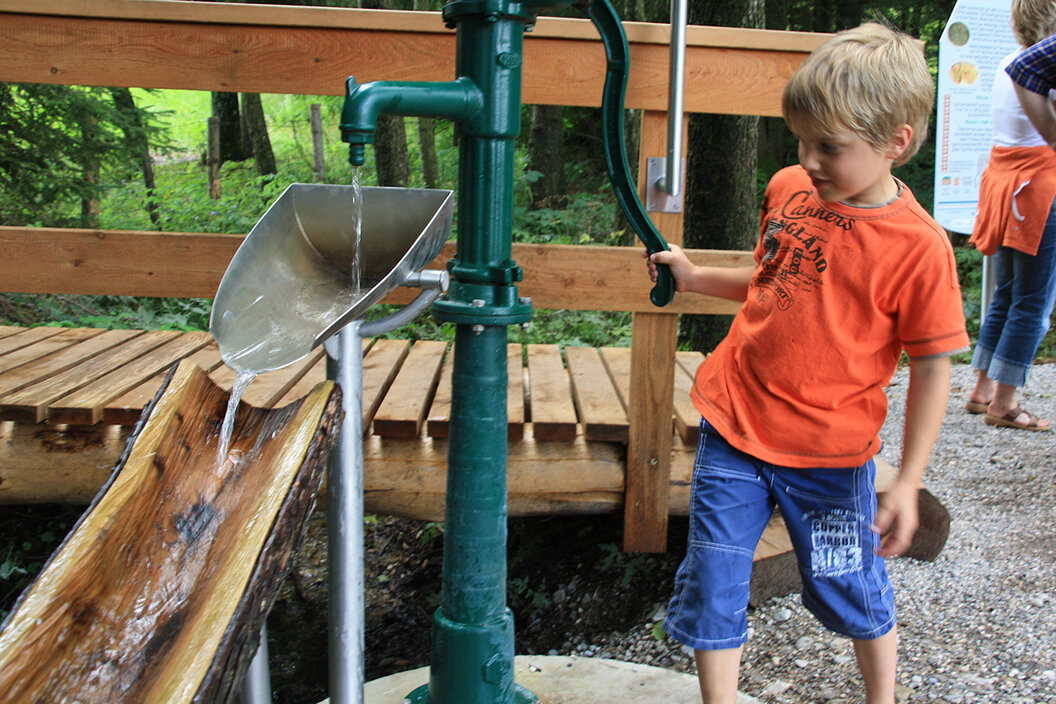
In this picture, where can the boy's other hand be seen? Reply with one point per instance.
(897, 518)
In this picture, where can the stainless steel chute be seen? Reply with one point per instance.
(290, 285)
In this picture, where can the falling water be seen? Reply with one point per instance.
(357, 231)
(242, 382)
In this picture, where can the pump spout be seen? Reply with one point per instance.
(460, 100)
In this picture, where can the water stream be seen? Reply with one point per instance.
(356, 267)
(242, 382)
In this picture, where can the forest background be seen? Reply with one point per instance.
(129, 159)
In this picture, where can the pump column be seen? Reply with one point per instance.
(473, 633)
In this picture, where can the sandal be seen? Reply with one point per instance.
(976, 408)
(1009, 420)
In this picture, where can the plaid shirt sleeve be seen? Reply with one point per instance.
(1035, 68)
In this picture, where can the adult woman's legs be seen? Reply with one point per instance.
(1016, 322)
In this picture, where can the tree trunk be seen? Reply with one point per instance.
(427, 148)
(91, 148)
(546, 156)
(427, 133)
(318, 156)
(257, 129)
(225, 109)
(390, 152)
(722, 209)
(135, 136)
(160, 591)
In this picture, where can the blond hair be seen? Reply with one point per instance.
(870, 80)
(1033, 20)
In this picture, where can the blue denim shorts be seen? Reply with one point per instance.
(828, 513)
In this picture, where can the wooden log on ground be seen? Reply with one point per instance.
(159, 592)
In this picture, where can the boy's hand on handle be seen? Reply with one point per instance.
(676, 260)
(897, 518)
(722, 282)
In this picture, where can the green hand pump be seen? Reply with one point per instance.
(473, 632)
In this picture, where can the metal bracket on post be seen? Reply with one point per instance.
(657, 199)
(433, 282)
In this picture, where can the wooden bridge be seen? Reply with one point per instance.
(72, 395)
(568, 422)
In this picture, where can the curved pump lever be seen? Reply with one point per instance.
(617, 53)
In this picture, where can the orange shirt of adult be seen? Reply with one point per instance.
(838, 293)
(1015, 199)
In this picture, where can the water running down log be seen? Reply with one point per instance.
(158, 593)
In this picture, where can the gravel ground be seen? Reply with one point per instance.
(976, 625)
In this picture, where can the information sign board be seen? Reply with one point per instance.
(976, 38)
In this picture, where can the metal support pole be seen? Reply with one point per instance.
(986, 295)
(676, 98)
(345, 526)
(256, 687)
(345, 493)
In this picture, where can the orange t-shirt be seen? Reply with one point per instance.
(1015, 199)
(839, 292)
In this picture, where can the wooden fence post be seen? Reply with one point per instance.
(654, 341)
(213, 157)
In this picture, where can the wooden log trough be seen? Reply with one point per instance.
(160, 590)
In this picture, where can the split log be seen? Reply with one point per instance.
(159, 592)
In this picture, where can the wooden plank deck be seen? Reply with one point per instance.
(70, 390)
(85, 377)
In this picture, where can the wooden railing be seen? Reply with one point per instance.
(277, 49)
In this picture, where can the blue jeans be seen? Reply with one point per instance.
(828, 512)
(1018, 317)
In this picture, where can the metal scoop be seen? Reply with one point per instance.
(290, 284)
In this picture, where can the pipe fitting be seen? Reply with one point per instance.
(459, 100)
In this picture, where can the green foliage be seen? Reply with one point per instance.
(111, 312)
(30, 535)
(432, 530)
(587, 218)
(579, 328)
(182, 115)
(51, 137)
(615, 558)
(525, 599)
(970, 272)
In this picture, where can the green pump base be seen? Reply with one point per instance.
(520, 696)
(568, 680)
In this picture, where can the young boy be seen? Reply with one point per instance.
(851, 271)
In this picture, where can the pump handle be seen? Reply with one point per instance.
(617, 53)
